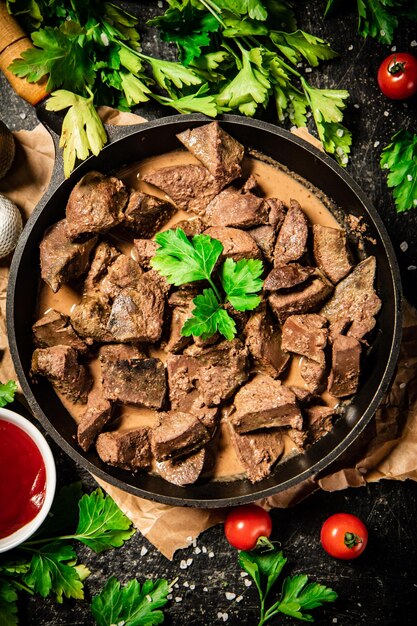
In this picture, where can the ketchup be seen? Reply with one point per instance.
(22, 479)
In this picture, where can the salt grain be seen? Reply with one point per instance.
(308, 70)
(211, 555)
(382, 32)
(403, 246)
(22, 116)
(248, 583)
(376, 144)
(205, 589)
(230, 596)
(394, 49)
(402, 385)
(169, 596)
(411, 268)
(413, 44)
(350, 47)
(186, 584)
(356, 106)
(192, 587)
(243, 574)
(143, 551)
(204, 550)
(386, 113)
(178, 599)
(223, 616)
(197, 550)
(189, 561)
(409, 178)
(149, 599)
(239, 599)
(183, 565)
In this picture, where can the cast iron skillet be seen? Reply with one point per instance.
(154, 138)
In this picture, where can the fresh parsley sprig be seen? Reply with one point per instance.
(7, 392)
(183, 261)
(400, 159)
(297, 597)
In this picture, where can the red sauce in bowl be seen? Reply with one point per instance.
(22, 479)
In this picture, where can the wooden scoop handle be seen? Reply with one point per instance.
(13, 41)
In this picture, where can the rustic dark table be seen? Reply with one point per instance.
(381, 587)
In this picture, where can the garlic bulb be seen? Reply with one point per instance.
(10, 226)
(6, 149)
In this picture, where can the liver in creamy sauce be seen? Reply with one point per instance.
(236, 452)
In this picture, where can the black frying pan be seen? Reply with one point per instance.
(135, 143)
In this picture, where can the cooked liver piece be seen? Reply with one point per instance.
(132, 380)
(237, 210)
(302, 300)
(287, 277)
(344, 375)
(251, 186)
(182, 471)
(90, 317)
(104, 255)
(62, 260)
(123, 272)
(319, 421)
(95, 418)
(215, 149)
(354, 302)
(176, 342)
(330, 252)
(292, 238)
(146, 214)
(305, 335)
(54, 329)
(194, 404)
(194, 226)
(298, 437)
(95, 205)
(237, 244)
(144, 251)
(60, 366)
(263, 339)
(191, 187)
(265, 403)
(177, 435)
(182, 296)
(303, 395)
(258, 451)
(128, 450)
(154, 278)
(264, 237)
(313, 374)
(216, 372)
(277, 211)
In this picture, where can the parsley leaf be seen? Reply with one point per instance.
(298, 596)
(376, 20)
(400, 158)
(132, 605)
(192, 103)
(241, 282)
(182, 261)
(208, 317)
(166, 72)
(299, 44)
(102, 525)
(82, 129)
(8, 604)
(123, 22)
(7, 391)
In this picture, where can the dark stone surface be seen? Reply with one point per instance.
(380, 587)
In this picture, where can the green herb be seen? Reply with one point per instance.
(7, 391)
(297, 596)
(182, 261)
(234, 56)
(379, 18)
(48, 564)
(132, 605)
(400, 158)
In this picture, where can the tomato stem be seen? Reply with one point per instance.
(263, 543)
(396, 67)
(351, 540)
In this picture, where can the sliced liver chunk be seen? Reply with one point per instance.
(194, 404)
(306, 335)
(54, 329)
(237, 210)
(277, 212)
(330, 252)
(90, 317)
(284, 304)
(184, 471)
(354, 302)
(144, 250)
(176, 342)
(177, 435)
(215, 149)
(237, 244)
(128, 450)
(132, 380)
(137, 314)
(191, 187)
(344, 375)
(62, 260)
(191, 227)
(123, 272)
(313, 373)
(95, 205)
(319, 421)
(263, 339)
(104, 256)
(287, 276)
(258, 451)
(265, 403)
(95, 418)
(292, 238)
(264, 237)
(146, 214)
(59, 364)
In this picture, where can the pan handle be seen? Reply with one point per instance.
(13, 41)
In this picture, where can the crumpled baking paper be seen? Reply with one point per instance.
(389, 446)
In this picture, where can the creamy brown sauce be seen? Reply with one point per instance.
(273, 183)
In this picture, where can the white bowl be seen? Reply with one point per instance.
(19, 536)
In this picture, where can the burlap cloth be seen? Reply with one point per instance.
(387, 450)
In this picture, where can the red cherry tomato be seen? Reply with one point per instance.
(397, 76)
(245, 525)
(344, 536)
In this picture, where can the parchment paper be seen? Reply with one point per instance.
(389, 446)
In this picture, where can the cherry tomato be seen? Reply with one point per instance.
(397, 76)
(245, 525)
(344, 536)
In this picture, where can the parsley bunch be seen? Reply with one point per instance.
(234, 55)
(182, 261)
(400, 159)
(297, 597)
